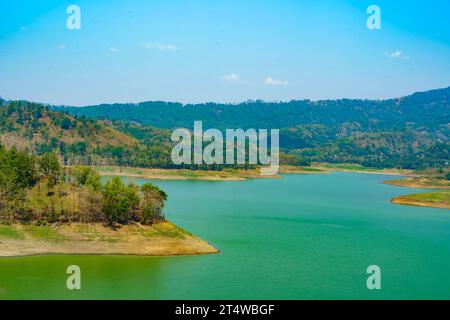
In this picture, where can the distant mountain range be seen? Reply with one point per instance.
(430, 109)
(407, 132)
(411, 132)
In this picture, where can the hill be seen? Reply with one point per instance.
(429, 109)
(34, 128)
(411, 132)
(37, 129)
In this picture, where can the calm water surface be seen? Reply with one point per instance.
(300, 237)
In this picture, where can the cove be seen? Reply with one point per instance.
(300, 237)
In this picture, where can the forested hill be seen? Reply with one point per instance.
(411, 132)
(34, 128)
(429, 109)
(37, 129)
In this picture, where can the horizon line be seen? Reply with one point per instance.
(221, 103)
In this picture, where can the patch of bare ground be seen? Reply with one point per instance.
(160, 239)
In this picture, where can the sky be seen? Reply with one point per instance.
(195, 51)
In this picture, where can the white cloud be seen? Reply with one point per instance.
(397, 54)
(161, 47)
(232, 77)
(113, 50)
(62, 46)
(274, 82)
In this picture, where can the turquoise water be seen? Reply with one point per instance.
(300, 237)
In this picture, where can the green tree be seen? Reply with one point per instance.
(66, 124)
(17, 172)
(86, 176)
(132, 193)
(49, 167)
(25, 168)
(153, 200)
(17, 167)
(119, 200)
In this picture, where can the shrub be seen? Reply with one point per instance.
(86, 176)
(49, 167)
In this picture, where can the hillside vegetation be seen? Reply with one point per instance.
(37, 129)
(412, 132)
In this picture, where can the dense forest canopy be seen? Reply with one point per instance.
(412, 132)
(428, 109)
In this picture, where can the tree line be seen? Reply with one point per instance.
(39, 189)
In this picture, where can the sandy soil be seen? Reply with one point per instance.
(161, 239)
(183, 174)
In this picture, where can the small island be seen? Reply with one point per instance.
(46, 208)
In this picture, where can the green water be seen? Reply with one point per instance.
(300, 237)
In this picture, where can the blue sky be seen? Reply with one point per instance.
(224, 51)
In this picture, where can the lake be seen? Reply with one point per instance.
(300, 237)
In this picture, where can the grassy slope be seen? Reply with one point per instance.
(17, 125)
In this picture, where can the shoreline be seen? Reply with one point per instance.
(186, 174)
(234, 174)
(329, 167)
(419, 183)
(164, 238)
(439, 198)
(410, 179)
(160, 239)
